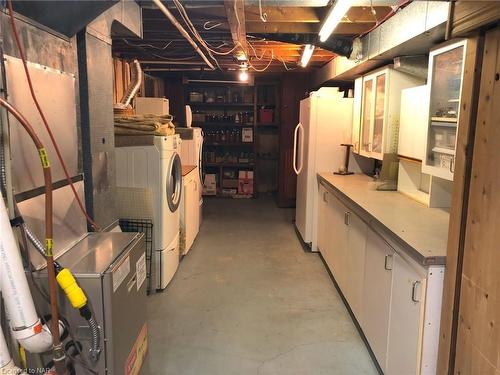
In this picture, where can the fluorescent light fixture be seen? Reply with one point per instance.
(243, 76)
(333, 18)
(306, 55)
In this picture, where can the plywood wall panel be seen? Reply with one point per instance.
(478, 339)
(466, 131)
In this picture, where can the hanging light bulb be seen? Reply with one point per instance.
(243, 76)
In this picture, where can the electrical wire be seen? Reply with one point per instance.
(141, 45)
(216, 24)
(44, 120)
(267, 66)
(193, 30)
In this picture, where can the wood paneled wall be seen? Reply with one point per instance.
(294, 88)
(463, 165)
(470, 327)
(478, 339)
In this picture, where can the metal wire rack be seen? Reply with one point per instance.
(142, 226)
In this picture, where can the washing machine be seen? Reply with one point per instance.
(151, 166)
(192, 154)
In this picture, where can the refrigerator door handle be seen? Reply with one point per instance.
(301, 147)
(295, 133)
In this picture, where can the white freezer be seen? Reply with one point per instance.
(325, 123)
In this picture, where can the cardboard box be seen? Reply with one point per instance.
(210, 184)
(245, 182)
(247, 135)
(266, 116)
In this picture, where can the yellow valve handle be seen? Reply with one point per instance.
(75, 294)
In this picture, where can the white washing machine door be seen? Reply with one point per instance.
(174, 182)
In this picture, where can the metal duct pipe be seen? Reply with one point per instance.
(134, 86)
(26, 327)
(184, 33)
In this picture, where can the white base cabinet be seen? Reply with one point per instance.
(377, 295)
(385, 289)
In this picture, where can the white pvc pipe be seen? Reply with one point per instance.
(5, 357)
(24, 322)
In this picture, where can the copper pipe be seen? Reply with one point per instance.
(59, 358)
(44, 120)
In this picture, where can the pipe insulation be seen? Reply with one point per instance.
(183, 32)
(26, 327)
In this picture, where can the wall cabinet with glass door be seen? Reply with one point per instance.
(446, 68)
(379, 116)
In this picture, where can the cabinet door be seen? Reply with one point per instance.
(377, 134)
(446, 69)
(337, 240)
(413, 122)
(356, 115)
(367, 115)
(404, 325)
(323, 223)
(377, 295)
(355, 263)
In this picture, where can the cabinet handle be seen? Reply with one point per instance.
(414, 291)
(388, 266)
(452, 164)
(347, 218)
(325, 195)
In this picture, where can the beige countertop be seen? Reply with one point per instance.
(421, 231)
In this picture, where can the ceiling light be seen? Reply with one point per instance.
(243, 76)
(333, 18)
(306, 55)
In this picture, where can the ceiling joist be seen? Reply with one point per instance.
(235, 11)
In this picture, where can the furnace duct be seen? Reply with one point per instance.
(134, 86)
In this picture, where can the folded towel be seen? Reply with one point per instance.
(147, 124)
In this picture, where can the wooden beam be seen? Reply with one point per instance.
(304, 28)
(283, 14)
(235, 12)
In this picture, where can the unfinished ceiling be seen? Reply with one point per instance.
(229, 27)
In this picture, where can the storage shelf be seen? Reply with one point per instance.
(230, 144)
(203, 104)
(444, 124)
(270, 125)
(215, 124)
(443, 150)
(233, 165)
(444, 119)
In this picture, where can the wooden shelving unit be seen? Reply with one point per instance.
(221, 103)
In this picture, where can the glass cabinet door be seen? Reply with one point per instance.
(446, 84)
(367, 115)
(378, 121)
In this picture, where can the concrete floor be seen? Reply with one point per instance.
(248, 300)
